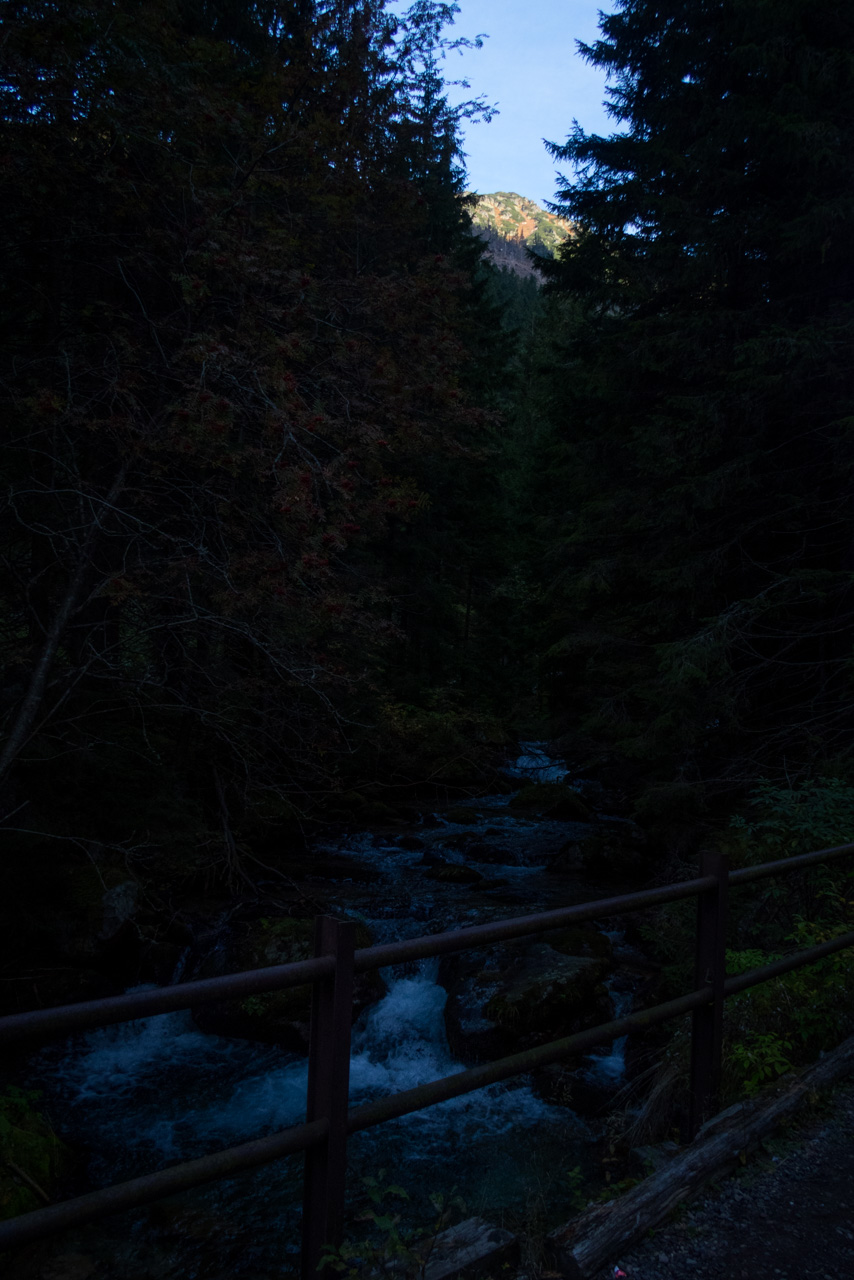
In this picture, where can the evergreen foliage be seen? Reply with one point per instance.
(700, 533)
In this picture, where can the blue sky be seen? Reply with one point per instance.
(529, 67)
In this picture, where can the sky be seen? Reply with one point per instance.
(529, 66)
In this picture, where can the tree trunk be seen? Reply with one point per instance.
(70, 601)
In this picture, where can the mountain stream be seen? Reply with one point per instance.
(142, 1095)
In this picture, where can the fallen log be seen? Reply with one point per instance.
(472, 1248)
(598, 1235)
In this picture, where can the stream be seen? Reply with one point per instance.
(146, 1094)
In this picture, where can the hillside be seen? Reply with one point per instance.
(513, 217)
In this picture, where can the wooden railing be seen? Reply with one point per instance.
(329, 1123)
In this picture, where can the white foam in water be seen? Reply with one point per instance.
(402, 1044)
(274, 1099)
(610, 1066)
(159, 1090)
(111, 1063)
(162, 1085)
(535, 763)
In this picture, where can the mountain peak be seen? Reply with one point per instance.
(515, 217)
(510, 224)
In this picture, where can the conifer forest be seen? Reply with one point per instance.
(346, 568)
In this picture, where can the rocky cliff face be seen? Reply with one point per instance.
(510, 224)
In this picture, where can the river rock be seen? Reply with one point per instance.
(519, 995)
(494, 854)
(459, 841)
(411, 843)
(275, 1017)
(553, 800)
(99, 904)
(451, 872)
(613, 853)
(484, 851)
(461, 816)
(119, 906)
(572, 1086)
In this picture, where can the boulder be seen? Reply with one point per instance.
(503, 784)
(98, 905)
(613, 853)
(460, 815)
(553, 800)
(486, 851)
(410, 843)
(520, 995)
(461, 841)
(452, 872)
(275, 1017)
(575, 1087)
(119, 906)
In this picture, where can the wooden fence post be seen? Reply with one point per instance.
(328, 1088)
(707, 1021)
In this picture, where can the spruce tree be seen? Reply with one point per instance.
(701, 522)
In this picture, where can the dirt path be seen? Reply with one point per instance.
(788, 1215)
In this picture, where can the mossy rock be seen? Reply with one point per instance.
(454, 873)
(411, 843)
(544, 993)
(521, 995)
(464, 817)
(28, 1143)
(554, 800)
(460, 841)
(484, 851)
(537, 795)
(570, 807)
(279, 1017)
(96, 903)
(67, 918)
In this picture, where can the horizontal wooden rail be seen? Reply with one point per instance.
(784, 866)
(50, 1024)
(194, 1173)
(154, 1186)
(330, 969)
(483, 935)
(776, 968)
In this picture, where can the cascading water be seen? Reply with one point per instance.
(537, 764)
(158, 1091)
